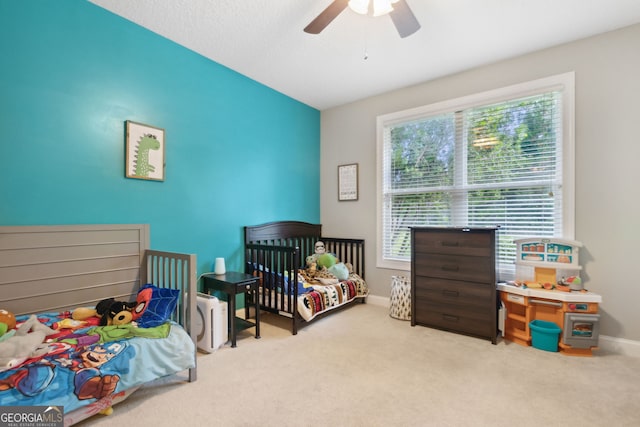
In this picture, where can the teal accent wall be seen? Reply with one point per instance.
(237, 152)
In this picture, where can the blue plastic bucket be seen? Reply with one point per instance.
(544, 335)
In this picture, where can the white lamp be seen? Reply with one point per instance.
(219, 266)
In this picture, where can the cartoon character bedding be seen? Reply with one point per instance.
(53, 359)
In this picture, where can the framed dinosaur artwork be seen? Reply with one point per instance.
(144, 151)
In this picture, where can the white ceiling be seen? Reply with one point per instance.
(264, 39)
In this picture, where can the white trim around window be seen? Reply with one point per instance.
(564, 83)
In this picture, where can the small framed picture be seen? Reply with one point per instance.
(348, 182)
(145, 148)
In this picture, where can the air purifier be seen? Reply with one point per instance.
(211, 323)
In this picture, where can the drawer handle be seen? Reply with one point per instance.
(552, 303)
(450, 318)
(450, 244)
(448, 293)
(450, 268)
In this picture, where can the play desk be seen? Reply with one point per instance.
(574, 312)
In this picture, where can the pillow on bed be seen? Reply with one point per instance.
(302, 289)
(270, 280)
(154, 305)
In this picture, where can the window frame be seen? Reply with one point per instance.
(563, 82)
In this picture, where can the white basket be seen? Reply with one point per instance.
(400, 307)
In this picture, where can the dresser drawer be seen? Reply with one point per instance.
(455, 267)
(453, 292)
(452, 318)
(458, 242)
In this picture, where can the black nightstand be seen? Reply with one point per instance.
(233, 283)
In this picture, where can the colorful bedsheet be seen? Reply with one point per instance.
(83, 363)
(317, 298)
(327, 297)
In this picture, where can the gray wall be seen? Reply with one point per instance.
(607, 72)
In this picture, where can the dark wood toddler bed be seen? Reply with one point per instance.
(48, 271)
(277, 253)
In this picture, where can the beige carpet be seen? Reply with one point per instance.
(361, 367)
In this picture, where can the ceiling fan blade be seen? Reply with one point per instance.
(327, 15)
(404, 19)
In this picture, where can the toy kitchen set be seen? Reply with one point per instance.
(546, 306)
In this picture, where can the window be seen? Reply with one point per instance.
(501, 158)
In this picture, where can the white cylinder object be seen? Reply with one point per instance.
(219, 269)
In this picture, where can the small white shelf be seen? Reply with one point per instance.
(543, 252)
(547, 260)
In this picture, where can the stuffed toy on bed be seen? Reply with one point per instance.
(325, 267)
(23, 343)
(119, 313)
(7, 321)
(321, 257)
(109, 311)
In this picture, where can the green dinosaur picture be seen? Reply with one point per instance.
(144, 151)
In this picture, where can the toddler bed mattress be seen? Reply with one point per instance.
(80, 364)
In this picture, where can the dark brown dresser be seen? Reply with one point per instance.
(453, 280)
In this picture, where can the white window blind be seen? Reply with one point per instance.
(482, 164)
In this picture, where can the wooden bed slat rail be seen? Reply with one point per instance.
(60, 267)
(282, 261)
(281, 230)
(175, 271)
(347, 250)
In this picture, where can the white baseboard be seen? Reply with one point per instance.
(619, 346)
(606, 343)
(376, 300)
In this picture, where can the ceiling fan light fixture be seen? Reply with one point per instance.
(359, 6)
(403, 18)
(382, 7)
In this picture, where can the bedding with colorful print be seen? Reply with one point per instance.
(318, 297)
(330, 296)
(79, 363)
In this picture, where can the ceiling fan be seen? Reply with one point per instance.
(400, 12)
